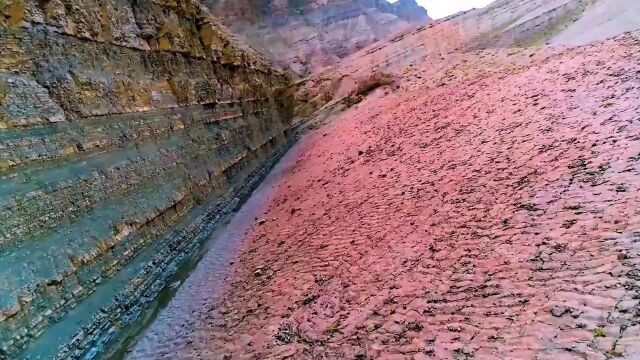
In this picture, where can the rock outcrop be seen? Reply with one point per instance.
(308, 35)
(125, 127)
(504, 24)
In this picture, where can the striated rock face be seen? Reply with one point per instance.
(125, 127)
(307, 35)
(504, 24)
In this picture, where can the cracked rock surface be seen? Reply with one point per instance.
(488, 217)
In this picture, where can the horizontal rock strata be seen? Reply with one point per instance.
(308, 35)
(117, 119)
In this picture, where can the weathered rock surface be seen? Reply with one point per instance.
(504, 24)
(118, 119)
(486, 209)
(308, 35)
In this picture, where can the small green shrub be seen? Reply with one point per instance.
(373, 82)
(598, 332)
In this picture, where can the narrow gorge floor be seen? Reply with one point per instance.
(493, 217)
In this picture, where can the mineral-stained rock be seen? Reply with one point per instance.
(117, 119)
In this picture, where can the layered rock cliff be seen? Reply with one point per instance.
(308, 35)
(507, 25)
(126, 127)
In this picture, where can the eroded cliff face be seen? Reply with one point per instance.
(125, 126)
(308, 35)
(506, 25)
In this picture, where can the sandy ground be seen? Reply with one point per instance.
(492, 217)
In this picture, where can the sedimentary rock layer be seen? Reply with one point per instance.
(307, 35)
(117, 118)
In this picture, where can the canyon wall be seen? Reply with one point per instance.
(125, 126)
(308, 35)
(507, 25)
